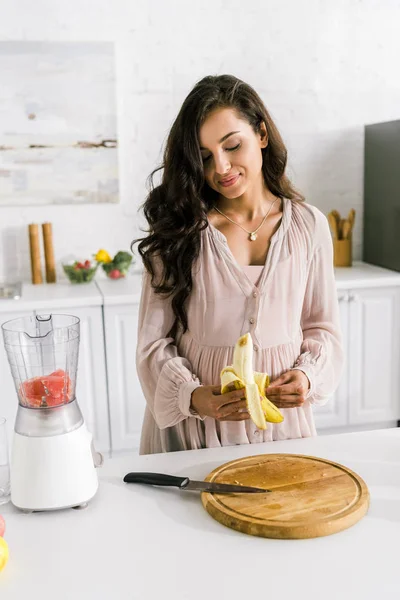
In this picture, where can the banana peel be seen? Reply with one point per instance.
(271, 412)
(240, 375)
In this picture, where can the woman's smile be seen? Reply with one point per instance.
(228, 181)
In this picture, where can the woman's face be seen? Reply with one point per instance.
(231, 153)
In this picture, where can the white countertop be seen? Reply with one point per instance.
(107, 292)
(363, 275)
(360, 275)
(53, 295)
(127, 291)
(146, 543)
(121, 291)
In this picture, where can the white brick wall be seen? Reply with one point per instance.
(323, 68)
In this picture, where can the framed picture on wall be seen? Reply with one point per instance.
(58, 123)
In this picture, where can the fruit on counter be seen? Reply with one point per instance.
(115, 274)
(117, 267)
(46, 390)
(3, 553)
(240, 375)
(2, 526)
(102, 256)
(80, 271)
(82, 265)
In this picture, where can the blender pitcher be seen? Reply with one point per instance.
(52, 458)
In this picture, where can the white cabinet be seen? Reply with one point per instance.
(369, 392)
(91, 389)
(374, 343)
(127, 403)
(334, 412)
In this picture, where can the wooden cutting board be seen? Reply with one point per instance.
(311, 497)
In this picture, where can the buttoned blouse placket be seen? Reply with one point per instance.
(253, 292)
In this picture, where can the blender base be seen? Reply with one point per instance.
(53, 472)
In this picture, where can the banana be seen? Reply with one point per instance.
(243, 358)
(230, 381)
(240, 375)
(271, 412)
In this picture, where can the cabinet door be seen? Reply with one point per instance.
(91, 385)
(127, 403)
(334, 412)
(374, 355)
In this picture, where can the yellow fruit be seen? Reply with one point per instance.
(3, 553)
(254, 405)
(243, 358)
(271, 412)
(103, 256)
(241, 375)
(230, 381)
(262, 380)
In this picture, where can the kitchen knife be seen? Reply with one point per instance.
(184, 483)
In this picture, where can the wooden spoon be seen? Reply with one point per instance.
(351, 218)
(341, 226)
(346, 231)
(333, 225)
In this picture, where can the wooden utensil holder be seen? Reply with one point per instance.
(342, 253)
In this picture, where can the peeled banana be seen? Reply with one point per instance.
(240, 376)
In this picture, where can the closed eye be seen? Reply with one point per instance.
(206, 158)
(234, 148)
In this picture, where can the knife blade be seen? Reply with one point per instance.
(184, 483)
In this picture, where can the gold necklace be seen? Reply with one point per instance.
(252, 234)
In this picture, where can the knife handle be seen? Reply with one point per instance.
(155, 479)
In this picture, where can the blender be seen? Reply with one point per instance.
(53, 461)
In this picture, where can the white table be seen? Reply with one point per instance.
(138, 542)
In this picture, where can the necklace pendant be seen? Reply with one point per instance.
(253, 237)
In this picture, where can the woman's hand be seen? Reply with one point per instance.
(208, 401)
(288, 390)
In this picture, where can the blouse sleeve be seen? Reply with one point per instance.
(167, 380)
(321, 357)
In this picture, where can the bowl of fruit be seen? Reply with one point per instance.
(80, 271)
(117, 267)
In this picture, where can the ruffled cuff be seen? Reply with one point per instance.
(185, 396)
(173, 393)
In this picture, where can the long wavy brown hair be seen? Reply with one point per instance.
(176, 209)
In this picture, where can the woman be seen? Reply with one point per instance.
(232, 248)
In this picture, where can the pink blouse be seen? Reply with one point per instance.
(289, 306)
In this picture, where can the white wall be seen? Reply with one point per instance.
(323, 68)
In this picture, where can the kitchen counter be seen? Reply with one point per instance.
(49, 295)
(360, 275)
(140, 543)
(363, 275)
(102, 291)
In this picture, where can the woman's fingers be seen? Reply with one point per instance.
(236, 417)
(285, 390)
(238, 407)
(289, 402)
(231, 397)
